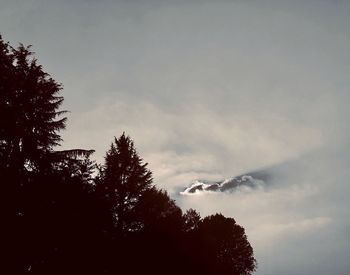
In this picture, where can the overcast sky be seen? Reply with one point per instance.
(210, 90)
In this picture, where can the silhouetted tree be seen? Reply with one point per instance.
(52, 221)
(224, 244)
(7, 80)
(124, 179)
(191, 220)
(156, 212)
(156, 245)
(29, 108)
(30, 119)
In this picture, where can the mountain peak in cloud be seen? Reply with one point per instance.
(254, 180)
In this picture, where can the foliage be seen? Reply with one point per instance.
(156, 212)
(226, 244)
(123, 180)
(29, 102)
(191, 220)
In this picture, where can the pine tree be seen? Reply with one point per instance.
(124, 179)
(29, 103)
(30, 119)
(191, 220)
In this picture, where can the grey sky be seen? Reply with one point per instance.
(209, 90)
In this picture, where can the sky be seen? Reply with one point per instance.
(211, 90)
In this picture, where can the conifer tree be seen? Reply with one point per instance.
(29, 103)
(191, 220)
(123, 180)
(30, 115)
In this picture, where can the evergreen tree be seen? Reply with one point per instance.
(191, 220)
(51, 218)
(124, 179)
(29, 103)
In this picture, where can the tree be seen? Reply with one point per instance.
(124, 179)
(157, 212)
(191, 220)
(29, 118)
(50, 213)
(7, 79)
(224, 243)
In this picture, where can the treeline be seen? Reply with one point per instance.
(64, 214)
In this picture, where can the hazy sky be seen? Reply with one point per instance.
(209, 90)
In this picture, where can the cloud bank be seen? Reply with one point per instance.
(211, 90)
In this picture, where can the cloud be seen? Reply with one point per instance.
(300, 216)
(194, 143)
(211, 90)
